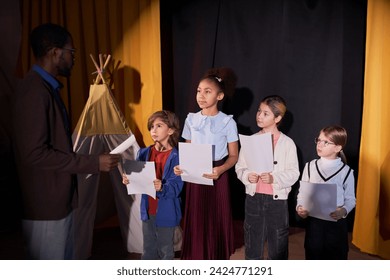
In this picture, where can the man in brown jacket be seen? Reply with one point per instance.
(47, 165)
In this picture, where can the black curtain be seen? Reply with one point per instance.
(311, 52)
(10, 204)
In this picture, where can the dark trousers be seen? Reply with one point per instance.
(266, 220)
(326, 240)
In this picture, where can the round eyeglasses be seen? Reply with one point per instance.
(325, 142)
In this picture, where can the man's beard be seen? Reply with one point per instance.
(64, 71)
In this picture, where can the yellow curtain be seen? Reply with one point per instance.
(129, 30)
(371, 231)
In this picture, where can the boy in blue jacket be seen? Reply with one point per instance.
(160, 216)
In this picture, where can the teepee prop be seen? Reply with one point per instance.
(100, 129)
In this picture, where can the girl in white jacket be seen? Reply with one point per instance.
(266, 205)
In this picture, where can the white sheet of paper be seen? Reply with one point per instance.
(196, 160)
(124, 145)
(121, 148)
(257, 151)
(319, 199)
(141, 175)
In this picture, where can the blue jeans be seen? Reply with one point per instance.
(49, 240)
(266, 220)
(158, 241)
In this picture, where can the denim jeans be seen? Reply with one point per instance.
(49, 239)
(266, 220)
(158, 241)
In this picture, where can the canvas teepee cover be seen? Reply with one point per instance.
(100, 129)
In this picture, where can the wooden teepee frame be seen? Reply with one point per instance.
(101, 68)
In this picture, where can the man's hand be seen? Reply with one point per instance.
(108, 162)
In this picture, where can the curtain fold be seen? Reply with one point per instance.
(128, 30)
(371, 231)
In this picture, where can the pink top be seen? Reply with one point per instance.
(262, 187)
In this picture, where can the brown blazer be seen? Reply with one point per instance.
(43, 153)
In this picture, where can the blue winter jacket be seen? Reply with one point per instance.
(168, 208)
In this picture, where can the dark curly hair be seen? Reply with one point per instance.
(224, 78)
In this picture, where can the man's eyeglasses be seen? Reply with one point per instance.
(319, 141)
(72, 51)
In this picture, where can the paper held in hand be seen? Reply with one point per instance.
(196, 160)
(121, 148)
(319, 199)
(141, 175)
(124, 145)
(257, 151)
